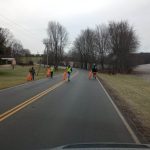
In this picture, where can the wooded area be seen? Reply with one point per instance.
(110, 45)
(10, 47)
(113, 47)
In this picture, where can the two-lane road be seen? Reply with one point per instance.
(75, 112)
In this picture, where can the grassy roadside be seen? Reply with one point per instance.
(9, 77)
(134, 95)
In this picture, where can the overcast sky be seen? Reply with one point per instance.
(28, 19)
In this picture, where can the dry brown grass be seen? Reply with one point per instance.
(135, 91)
(9, 77)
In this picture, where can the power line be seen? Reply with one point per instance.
(14, 25)
(23, 35)
(19, 26)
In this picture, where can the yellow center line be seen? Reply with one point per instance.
(31, 100)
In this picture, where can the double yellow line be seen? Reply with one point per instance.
(31, 100)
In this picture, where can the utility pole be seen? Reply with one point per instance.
(47, 53)
(45, 42)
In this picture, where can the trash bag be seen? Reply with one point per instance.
(65, 75)
(90, 75)
(29, 77)
(48, 73)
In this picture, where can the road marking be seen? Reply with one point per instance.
(15, 109)
(134, 137)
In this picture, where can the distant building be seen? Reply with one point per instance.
(140, 58)
(8, 61)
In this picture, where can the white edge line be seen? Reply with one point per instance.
(136, 140)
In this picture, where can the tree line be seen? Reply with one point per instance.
(9, 46)
(55, 43)
(109, 45)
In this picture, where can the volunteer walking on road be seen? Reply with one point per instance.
(69, 70)
(32, 71)
(52, 71)
(94, 71)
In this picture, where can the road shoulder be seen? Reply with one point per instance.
(139, 129)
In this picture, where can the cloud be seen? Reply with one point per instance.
(32, 16)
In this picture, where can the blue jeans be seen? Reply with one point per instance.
(69, 76)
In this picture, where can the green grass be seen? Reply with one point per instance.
(134, 90)
(10, 77)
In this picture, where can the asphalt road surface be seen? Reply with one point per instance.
(75, 112)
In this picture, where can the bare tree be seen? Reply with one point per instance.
(10, 47)
(25, 52)
(17, 48)
(102, 43)
(112, 44)
(123, 42)
(57, 40)
(5, 42)
(85, 46)
(78, 48)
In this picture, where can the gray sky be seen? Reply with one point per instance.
(28, 19)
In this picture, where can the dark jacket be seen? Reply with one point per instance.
(32, 71)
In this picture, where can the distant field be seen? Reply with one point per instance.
(9, 77)
(143, 71)
(136, 93)
(27, 59)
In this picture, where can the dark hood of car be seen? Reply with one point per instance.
(110, 146)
